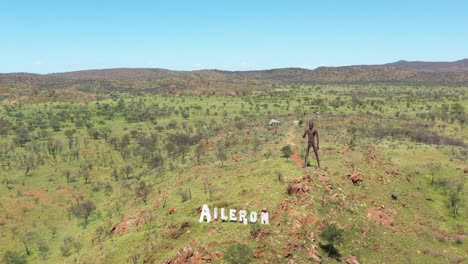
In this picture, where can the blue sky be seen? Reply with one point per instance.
(57, 36)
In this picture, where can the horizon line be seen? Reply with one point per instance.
(221, 70)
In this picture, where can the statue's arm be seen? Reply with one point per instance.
(305, 133)
(318, 145)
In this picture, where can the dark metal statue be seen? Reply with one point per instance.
(312, 133)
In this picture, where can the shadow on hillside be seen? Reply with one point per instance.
(332, 251)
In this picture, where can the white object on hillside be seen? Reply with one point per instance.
(274, 122)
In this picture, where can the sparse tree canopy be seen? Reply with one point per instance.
(221, 152)
(142, 191)
(22, 137)
(332, 234)
(29, 163)
(14, 257)
(83, 210)
(27, 239)
(287, 151)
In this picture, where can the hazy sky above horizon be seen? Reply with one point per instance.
(57, 36)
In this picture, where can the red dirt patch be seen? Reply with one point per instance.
(441, 235)
(175, 232)
(321, 177)
(352, 260)
(355, 177)
(137, 218)
(171, 210)
(65, 191)
(236, 158)
(314, 255)
(298, 188)
(35, 193)
(308, 220)
(295, 157)
(321, 225)
(189, 255)
(380, 216)
(185, 255)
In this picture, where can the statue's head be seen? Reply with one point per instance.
(311, 124)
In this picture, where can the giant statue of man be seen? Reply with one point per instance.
(312, 133)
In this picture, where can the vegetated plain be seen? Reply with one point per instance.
(120, 177)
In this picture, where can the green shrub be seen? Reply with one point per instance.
(238, 254)
(287, 151)
(332, 234)
(13, 257)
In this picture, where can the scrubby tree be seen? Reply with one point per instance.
(95, 133)
(221, 152)
(5, 126)
(22, 137)
(5, 149)
(27, 239)
(127, 170)
(29, 163)
(457, 110)
(171, 150)
(43, 134)
(240, 125)
(142, 191)
(67, 175)
(14, 257)
(55, 123)
(455, 198)
(115, 174)
(106, 132)
(179, 144)
(83, 210)
(53, 231)
(54, 147)
(69, 243)
(287, 151)
(84, 172)
(256, 144)
(332, 234)
(69, 134)
(268, 154)
(156, 162)
(124, 141)
(43, 248)
(434, 170)
(199, 151)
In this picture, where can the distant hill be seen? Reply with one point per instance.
(456, 66)
(218, 81)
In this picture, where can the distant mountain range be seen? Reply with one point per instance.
(456, 66)
(162, 80)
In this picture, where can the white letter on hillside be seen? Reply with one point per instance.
(215, 214)
(243, 216)
(232, 215)
(205, 212)
(265, 218)
(223, 215)
(253, 217)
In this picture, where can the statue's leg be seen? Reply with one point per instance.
(306, 156)
(316, 156)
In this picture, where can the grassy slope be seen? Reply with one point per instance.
(417, 231)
